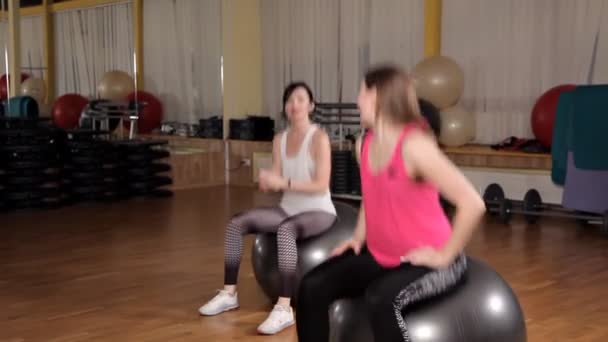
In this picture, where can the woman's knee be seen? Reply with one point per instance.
(286, 234)
(312, 285)
(377, 301)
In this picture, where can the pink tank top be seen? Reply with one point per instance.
(400, 213)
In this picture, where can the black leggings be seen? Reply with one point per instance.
(288, 229)
(387, 292)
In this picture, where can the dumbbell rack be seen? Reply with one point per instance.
(533, 208)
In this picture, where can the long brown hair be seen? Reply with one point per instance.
(396, 94)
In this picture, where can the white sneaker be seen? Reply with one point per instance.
(223, 301)
(280, 318)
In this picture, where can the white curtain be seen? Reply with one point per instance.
(599, 73)
(330, 43)
(32, 45)
(397, 32)
(88, 43)
(182, 57)
(513, 51)
(300, 41)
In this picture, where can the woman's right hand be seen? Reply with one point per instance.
(344, 246)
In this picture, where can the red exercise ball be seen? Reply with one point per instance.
(67, 110)
(543, 113)
(150, 116)
(4, 89)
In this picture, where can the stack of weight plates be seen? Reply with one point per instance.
(30, 167)
(340, 174)
(355, 178)
(93, 171)
(145, 170)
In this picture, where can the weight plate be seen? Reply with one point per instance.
(29, 165)
(493, 193)
(149, 156)
(161, 193)
(505, 213)
(26, 148)
(24, 180)
(493, 196)
(140, 144)
(88, 189)
(532, 204)
(151, 169)
(22, 196)
(151, 183)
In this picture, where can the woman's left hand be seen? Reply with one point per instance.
(427, 256)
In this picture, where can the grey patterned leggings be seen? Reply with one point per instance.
(387, 292)
(288, 228)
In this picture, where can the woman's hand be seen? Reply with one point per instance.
(351, 243)
(271, 181)
(427, 256)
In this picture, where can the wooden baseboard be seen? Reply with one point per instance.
(486, 157)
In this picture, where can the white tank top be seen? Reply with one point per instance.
(301, 167)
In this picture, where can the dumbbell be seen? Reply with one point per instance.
(496, 202)
(532, 208)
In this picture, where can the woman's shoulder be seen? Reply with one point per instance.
(278, 136)
(419, 144)
(320, 136)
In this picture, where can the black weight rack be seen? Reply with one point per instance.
(93, 167)
(30, 164)
(145, 167)
(42, 166)
(341, 120)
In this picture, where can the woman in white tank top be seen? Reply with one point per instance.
(301, 168)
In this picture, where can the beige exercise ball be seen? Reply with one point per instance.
(457, 126)
(115, 85)
(35, 88)
(439, 80)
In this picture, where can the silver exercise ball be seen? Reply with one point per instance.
(482, 308)
(457, 126)
(311, 252)
(439, 80)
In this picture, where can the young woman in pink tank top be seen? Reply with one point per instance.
(404, 248)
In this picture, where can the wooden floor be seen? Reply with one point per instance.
(138, 271)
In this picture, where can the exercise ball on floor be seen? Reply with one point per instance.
(543, 113)
(3, 86)
(67, 110)
(115, 85)
(311, 252)
(457, 126)
(482, 308)
(150, 113)
(439, 80)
